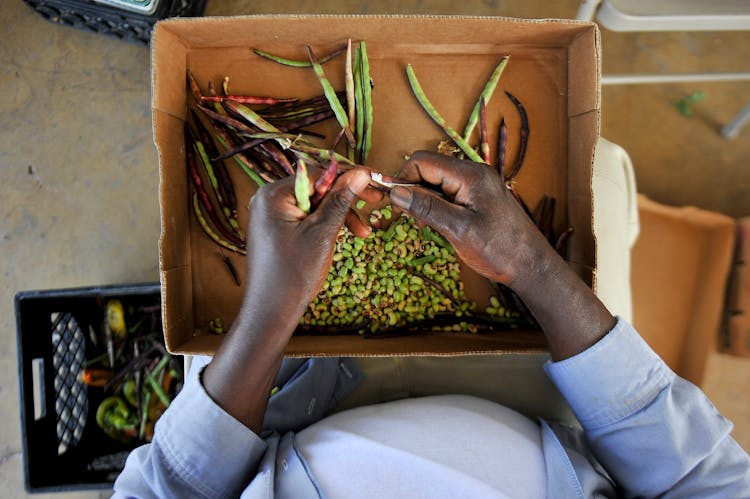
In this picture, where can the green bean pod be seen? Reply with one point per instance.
(437, 118)
(487, 91)
(302, 187)
(333, 99)
(298, 145)
(484, 144)
(243, 165)
(367, 104)
(294, 63)
(250, 116)
(359, 104)
(351, 106)
(200, 149)
(318, 153)
(210, 232)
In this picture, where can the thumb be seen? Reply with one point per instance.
(339, 200)
(440, 214)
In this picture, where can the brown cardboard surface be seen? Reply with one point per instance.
(736, 333)
(554, 71)
(680, 265)
(740, 292)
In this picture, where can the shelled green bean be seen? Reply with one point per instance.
(394, 277)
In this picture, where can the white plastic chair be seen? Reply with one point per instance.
(673, 15)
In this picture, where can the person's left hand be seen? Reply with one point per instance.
(290, 253)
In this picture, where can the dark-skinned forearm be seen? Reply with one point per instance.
(290, 257)
(570, 314)
(241, 375)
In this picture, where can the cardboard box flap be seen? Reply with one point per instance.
(284, 32)
(584, 61)
(582, 249)
(736, 326)
(173, 201)
(169, 75)
(680, 265)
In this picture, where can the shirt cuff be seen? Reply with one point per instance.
(206, 447)
(611, 380)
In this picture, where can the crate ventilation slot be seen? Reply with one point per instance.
(71, 398)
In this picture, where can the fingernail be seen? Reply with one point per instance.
(401, 197)
(359, 181)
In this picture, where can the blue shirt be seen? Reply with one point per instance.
(646, 432)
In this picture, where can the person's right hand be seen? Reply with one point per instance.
(478, 215)
(492, 234)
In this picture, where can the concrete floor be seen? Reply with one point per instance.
(79, 172)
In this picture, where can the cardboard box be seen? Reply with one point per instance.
(554, 71)
(735, 338)
(680, 266)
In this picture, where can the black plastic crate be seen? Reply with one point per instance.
(63, 447)
(112, 20)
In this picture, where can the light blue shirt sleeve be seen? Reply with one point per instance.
(198, 450)
(655, 433)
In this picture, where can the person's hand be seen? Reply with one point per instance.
(290, 253)
(479, 216)
(493, 235)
